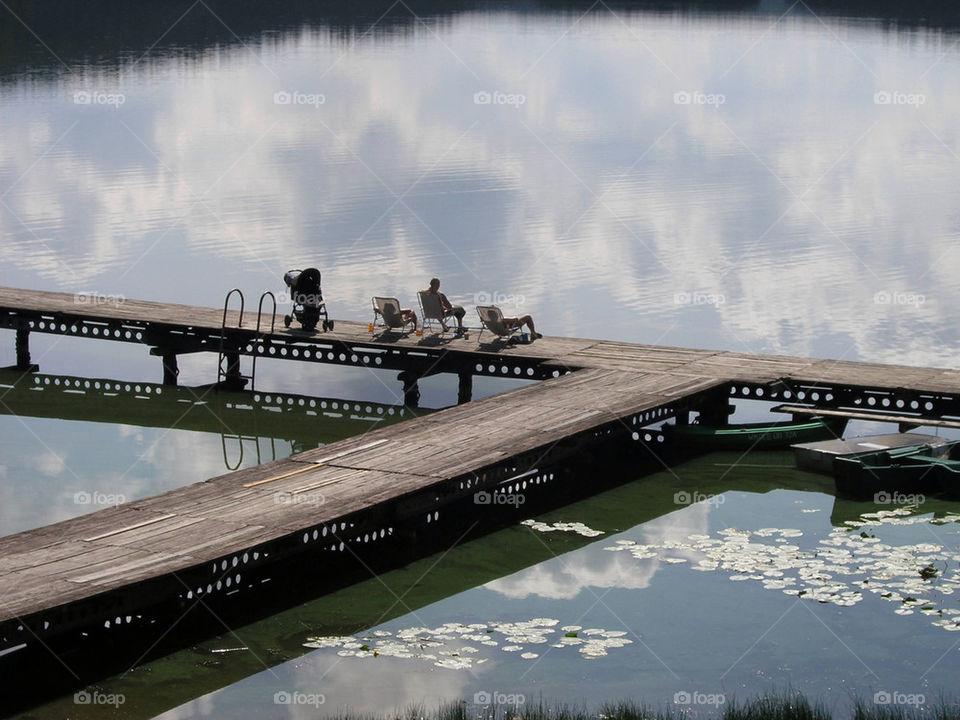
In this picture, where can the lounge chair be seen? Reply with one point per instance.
(491, 318)
(434, 313)
(386, 314)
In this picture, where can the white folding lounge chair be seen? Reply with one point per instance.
(386, 314)
(434, 313)
(491, 318)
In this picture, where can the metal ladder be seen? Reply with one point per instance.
(229, 372)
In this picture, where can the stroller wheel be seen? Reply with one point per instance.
(287, 320)
(327, 325)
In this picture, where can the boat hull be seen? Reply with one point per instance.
(756, 436)
(818, 456)
(920, 470)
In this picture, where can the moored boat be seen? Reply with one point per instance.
(944, 466)
(757, 436)
(909, 470)
(818, 456)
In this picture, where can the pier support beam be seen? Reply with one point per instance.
(411, 390)
(715, 408)
(465, 387)
(170, 369)
(22, 346)
(233, 380)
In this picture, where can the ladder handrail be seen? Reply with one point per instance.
(273, 317)
(257, 339)
(226, 303)
(221, 372)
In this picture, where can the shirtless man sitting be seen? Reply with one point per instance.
(449, 308)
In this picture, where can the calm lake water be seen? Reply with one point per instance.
(765, 181)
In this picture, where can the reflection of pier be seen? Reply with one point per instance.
(240, 418)
(138, 566)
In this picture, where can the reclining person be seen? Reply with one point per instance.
(514, 322)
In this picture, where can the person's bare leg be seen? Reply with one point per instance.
(528, 321)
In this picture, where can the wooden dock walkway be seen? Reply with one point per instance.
(221, 535)
(238, 520)
(177, 329)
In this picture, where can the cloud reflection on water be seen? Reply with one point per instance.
(565, 577)
(599, 198)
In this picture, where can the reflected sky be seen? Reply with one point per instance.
(690, 181)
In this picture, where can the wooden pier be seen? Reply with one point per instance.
(147, 560)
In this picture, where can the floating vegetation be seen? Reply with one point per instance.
(574, 527)
(838, 570)
(455, 645)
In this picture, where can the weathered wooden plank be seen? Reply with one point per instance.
(871, 416)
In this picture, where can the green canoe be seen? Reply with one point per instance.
(756, 436)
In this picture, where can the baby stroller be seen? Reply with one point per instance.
(308, 304)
